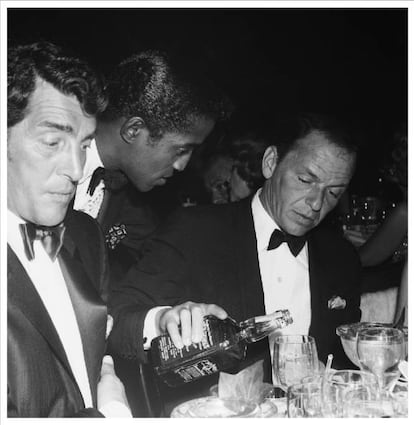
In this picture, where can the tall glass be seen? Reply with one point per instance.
(304, 400)
(380, 349)
(294, 358)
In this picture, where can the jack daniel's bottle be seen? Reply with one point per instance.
(222, 347)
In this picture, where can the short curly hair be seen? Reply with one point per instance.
(166, 95)
(68, 74)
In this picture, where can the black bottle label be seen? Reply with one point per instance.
(218, 350)
(203, 367)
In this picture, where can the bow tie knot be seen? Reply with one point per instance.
(50, 237)
(295, 243)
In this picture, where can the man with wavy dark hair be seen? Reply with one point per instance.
(158, 111)
(57, 280)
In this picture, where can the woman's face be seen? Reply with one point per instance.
(238, 187)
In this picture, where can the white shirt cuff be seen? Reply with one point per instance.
(116, 409)
(151, 329)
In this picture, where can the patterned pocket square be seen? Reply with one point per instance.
(336, 303)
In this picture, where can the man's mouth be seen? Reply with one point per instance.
(63, 196)
(305, 217)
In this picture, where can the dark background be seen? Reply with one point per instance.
(351, 62)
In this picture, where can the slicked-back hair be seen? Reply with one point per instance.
(291, 130)
(68, 74)
(168, 96)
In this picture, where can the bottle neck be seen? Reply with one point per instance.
(259, 327)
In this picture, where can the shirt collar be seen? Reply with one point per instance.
(14, 237)
(264, 224)
(93, 161)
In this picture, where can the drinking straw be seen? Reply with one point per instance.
(328, 363)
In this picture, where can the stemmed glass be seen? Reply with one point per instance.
(380, 349)
(294, 358)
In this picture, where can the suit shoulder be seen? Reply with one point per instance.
(210, 210)
(202, 213)
(334, 241)
(80, 221)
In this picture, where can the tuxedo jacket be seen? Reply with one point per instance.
(127, 220)
(40, 382)
(209, 254)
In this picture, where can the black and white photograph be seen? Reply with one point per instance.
(204, 209)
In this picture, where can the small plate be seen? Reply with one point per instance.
(214, 407)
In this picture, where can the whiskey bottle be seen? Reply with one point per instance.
(222, 347)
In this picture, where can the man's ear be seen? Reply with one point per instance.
(131, 129)
(269, 161)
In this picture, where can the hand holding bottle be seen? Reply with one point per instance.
(221, 348)
(189, 316)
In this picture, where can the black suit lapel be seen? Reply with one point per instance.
(320, 275)
(248, 274)
(23, 294)
(111, 205)
(248, 271)
(90, 311)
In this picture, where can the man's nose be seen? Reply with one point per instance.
(73, 163)
(315, 199)
(181, 162)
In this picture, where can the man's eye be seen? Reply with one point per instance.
(183, 151)
(52, 143)
(86, 145)
(334, 194)
(303, 180)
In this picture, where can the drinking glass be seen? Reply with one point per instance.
(359, 403)
(380, 349)
(337, 385)
(304, 400)
(294, 358)
(399, 396)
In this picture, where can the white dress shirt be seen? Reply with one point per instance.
(46, 276)
(285, 278)
(48, 280)
(83, 200)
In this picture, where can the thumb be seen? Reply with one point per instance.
(107, 366)
(215, 310)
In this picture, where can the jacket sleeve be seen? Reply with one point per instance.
(12, 410)
(159, 278)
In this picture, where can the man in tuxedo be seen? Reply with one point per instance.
(235, 254)
(57, 271)
(158, 112)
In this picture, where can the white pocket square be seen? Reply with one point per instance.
(336, 303)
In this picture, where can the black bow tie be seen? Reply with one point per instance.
(114, 180)
(295, 243)
(50, 237)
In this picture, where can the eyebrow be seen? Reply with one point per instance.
(61, 127)
(187, 145)
(313, 175)
(65, 128)
(89, 136)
